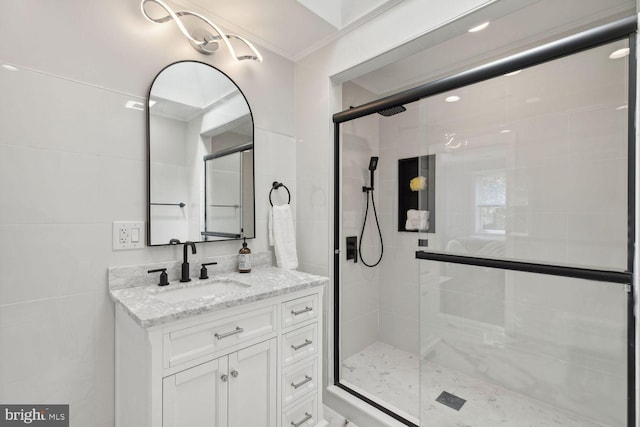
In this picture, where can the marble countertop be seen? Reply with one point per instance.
(147, 309)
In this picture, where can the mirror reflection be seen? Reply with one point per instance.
(201, 181)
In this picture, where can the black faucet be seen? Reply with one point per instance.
(185, 265)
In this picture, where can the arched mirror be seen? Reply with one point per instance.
(200, 144)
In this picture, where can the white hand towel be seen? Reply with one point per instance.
(282, 237)
(417, 220)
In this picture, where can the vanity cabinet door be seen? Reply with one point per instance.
(196, 397)
(252, 386)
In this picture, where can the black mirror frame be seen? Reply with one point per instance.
(148, 154)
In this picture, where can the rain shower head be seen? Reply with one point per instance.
(393, 110)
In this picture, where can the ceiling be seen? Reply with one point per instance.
(290, 28)
(295, 28)
(511, 30)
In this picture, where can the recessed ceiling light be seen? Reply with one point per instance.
(152, 102)
(620, 53)
(532, 100)
(9, 67)
(505, 131)
(452, 98)
(622, 107)
(134, 105)
(513, 73)
(479, 27)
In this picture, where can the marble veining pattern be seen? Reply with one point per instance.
(143, 305)
(391, 375)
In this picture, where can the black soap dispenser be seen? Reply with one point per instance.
(244, 259)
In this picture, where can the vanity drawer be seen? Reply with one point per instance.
(299, 381)
(186, 344)
(304, 414)
(299, 343)
(298, 310)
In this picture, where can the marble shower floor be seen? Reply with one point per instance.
(391, 375)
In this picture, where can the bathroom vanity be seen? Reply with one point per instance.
(235, 350)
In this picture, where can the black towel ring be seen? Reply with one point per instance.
(275, 186)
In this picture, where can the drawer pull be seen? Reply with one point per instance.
(304, 344)
(306, 379)
(307, 417)
(304, 310)
(237, 330)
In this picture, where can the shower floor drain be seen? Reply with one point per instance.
(451, 400)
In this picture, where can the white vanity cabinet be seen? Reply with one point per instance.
(252, 365)
(215, 393)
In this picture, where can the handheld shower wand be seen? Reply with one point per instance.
(373, 165)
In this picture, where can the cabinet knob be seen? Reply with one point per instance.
(224, 378)
(234, 374)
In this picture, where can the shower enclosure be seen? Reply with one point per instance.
(516, 309)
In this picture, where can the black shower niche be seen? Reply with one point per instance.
(423, 195)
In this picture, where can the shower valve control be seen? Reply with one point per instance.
(352, 248)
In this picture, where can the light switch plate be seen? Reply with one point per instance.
(128, 235)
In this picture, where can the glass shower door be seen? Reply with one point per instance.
(525, 286)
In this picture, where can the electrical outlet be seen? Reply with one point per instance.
(128, 235)
(124, 234)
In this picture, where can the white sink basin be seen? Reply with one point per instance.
(209, 290)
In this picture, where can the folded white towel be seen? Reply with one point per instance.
(417, 220)
(282, 237)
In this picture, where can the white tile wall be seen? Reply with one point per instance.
(72, 160)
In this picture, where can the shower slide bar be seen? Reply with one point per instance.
(530, 267)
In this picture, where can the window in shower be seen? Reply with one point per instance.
(519, 311)
(490, 196)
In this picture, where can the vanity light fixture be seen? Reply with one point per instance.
(620, 53)
(203, 40)
(478, 27)
(452, 98)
